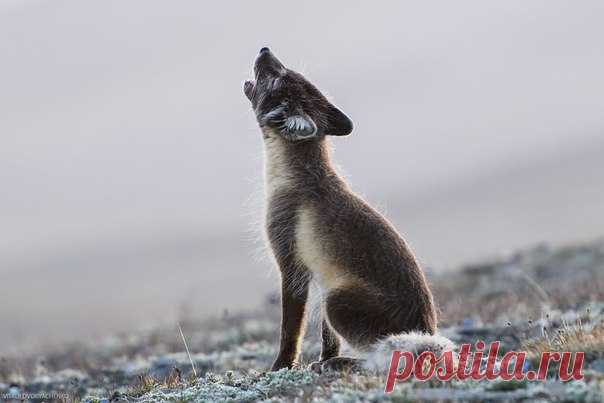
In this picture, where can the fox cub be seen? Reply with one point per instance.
(371, 285)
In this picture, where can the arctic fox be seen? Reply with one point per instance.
(374, 293)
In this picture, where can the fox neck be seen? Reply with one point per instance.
(303, 166)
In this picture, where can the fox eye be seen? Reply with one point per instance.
(275, 84)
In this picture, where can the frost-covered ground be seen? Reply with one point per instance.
(538, 299)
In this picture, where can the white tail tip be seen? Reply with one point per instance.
(378, 359)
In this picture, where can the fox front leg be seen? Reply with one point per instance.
(293, 310)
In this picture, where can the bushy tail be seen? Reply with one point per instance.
(378, 358)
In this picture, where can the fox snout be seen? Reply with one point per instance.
(267, 64)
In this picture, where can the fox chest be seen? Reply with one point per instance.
(297, 239)
(314, 251)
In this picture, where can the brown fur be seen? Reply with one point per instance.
(372, 284)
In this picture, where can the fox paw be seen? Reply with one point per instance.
(337, 364)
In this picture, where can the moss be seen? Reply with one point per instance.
(243, 389)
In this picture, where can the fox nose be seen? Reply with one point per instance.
(264, 50)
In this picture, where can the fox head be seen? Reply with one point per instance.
(289, 106)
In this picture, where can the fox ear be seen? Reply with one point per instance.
(338, 124)
(299, 127)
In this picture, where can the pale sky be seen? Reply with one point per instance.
(120, 118)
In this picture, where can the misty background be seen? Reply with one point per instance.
(131, 162)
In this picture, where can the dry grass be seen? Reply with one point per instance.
(523, 286)
(569, 337)
(146, 383)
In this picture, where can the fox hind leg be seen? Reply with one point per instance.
(330, 346)
(331, 342)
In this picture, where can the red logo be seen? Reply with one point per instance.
(471, 365)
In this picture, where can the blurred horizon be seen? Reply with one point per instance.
(131, 162)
